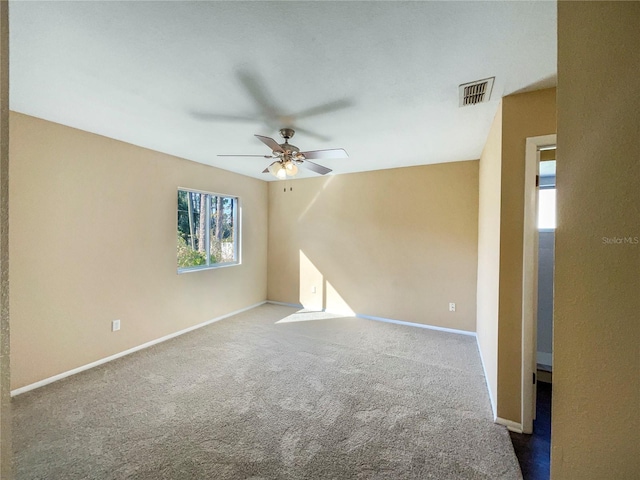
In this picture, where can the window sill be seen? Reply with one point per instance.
(210, 267)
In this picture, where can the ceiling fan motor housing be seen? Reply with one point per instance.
(289, 151)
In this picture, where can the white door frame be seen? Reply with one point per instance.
(530, 277)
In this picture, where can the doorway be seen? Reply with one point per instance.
(533, 447)
(539, 199)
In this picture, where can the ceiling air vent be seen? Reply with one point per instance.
(475, 92)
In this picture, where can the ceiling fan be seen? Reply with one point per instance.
(288, 156)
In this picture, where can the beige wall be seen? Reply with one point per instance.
(489, 254)
(5, 399)
(93, 224)
(596, 390)
(399, 243)
(523, 115)
(500, 246)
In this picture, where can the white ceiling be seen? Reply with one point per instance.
(149, 73)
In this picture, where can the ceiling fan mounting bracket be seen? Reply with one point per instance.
(287, 133)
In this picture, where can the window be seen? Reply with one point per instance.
(208, 230)
(547, 208)
(547, 192)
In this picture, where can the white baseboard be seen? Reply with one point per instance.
(494, 409)
(513, 426)
(284, 304)
(544, 358)
(419, 325)
(62, 375)
(382, 319)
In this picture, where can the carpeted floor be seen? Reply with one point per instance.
(272, 394)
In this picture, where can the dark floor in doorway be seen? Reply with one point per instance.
(533, 451)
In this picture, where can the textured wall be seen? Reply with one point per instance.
(596, 392)
(93, 239)
(500, 242)
(524, 115)
(5, 405)
(489, 254)
(398, 243)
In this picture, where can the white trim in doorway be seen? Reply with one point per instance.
(530, 276)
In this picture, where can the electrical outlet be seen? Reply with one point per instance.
(313, 289)
(452, 307)
(115, 325)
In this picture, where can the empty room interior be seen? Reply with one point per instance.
(304, 240)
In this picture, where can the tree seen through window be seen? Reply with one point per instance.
(207, 230)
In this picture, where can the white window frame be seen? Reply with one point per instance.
(237, 222)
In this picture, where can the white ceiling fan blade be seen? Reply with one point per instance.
(316, 168)
(271, 143)
(326, 154)
(233, 155)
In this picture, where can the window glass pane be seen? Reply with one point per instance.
(223, 230)
(547, 208)
(207, 230)
(191, 229)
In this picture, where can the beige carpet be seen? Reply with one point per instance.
(272, 394)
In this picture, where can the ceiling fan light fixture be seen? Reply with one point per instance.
(277, 170)
(291, 168)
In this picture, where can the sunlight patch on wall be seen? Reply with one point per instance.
(328, 180)
(316, 293)
(311, 284)
(335, 303)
